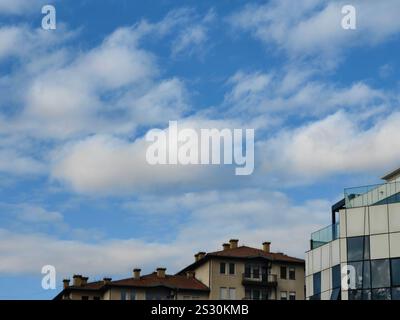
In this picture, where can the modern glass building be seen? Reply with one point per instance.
(364, 237)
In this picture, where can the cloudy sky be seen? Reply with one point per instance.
(76, 102)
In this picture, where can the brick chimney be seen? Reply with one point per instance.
(266, 246)
(85, 281)
(196, 257)
(233, 243)
(226, 246)
(190, 274)
(66, 283)
(107, 280)
(161, 272)
(201, 255)
(77, 280)
(136, 274)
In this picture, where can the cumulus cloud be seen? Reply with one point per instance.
(339, 143)
(296, 91)
(19, 7)
(254, 215)
(313, 27)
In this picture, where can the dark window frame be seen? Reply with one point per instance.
(283, 275)
(222, 268)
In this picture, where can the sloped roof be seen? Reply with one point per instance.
(244, 252)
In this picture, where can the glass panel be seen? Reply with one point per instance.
(366, 248)
(355, 248)
(395, 272)
(366, 275)
(366, 295)
(355, 294)
(372, 195)
(335, 294)
(395, 293)
(324, 235)
(317, 283)
(380, 273)
(336, 276)
(381, 294)
(358, 266)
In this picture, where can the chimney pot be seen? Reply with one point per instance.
(161, 272)
(84, 281)
(77, 280)
(233, 243)
(201, 255)
(267, 246)
(196, 257)
(226, 246)
(107, 280)
(136, 273)
(190, 274)
(66, 283)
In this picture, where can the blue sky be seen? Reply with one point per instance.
(76, 102)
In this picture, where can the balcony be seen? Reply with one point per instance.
(325, 235)
(268, 280)
(377, 194)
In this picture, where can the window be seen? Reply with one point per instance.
(247, 271)
(283, 272)
(123, 295)
(335, 294)
(96, 298)
(292, 273)
(256, 272)
(359, 294)
(222, 268)
(358, 248)
(395, 293)
(358, 269)
(223, 293)
(232, 293)
(283, 295)
(317, 283)
(133, 295)
(231, 268)
(381, 294)
(336, 276)
(256, 294)
(380, 274)
(85, 298)
(292, 296)
(395, 272)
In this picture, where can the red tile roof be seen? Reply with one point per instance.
(248, 252)
(244, 252)
(171, 281)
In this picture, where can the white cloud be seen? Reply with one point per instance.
(21, 6)
(313, 27)
(339, 143)
(19, 164)
(254, 216)
(295, 91)
(103, 164)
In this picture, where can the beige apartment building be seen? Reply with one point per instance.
(241, 272)
(233, 273)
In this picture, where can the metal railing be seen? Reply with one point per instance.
(377, 194)
(325, 235)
